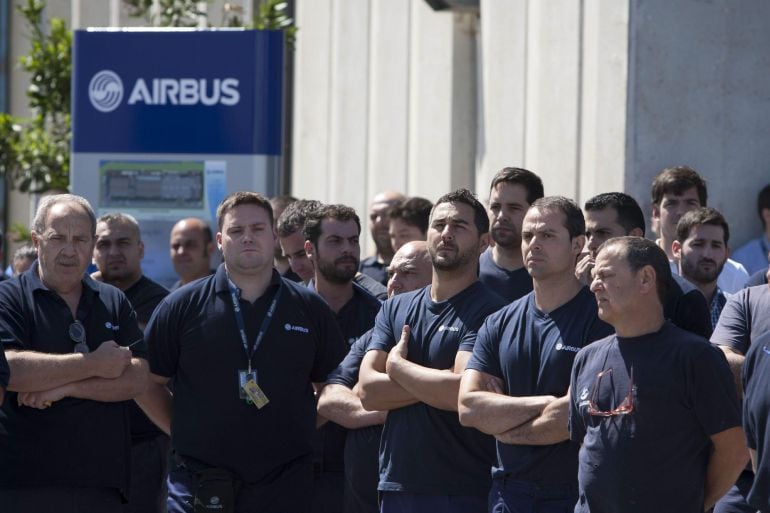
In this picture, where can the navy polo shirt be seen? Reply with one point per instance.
(744, 317)
(425, 449)
(532, 352)
(75, 442)
(194, 339)
(372, 286)
(655, 457)
(373, 268)
(756, 417)
(510, 285)
(145, 295)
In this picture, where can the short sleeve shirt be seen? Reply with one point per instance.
(746, 315)
(686, 306)
(194, 340)
(75, 442)
(756, 417)
(655, 457)
(375, 269)
(532, 352)
(510, 285)
(452, 459)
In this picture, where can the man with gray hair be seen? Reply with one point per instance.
(118, 256)
(64, 432)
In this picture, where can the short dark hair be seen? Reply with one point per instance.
(312, 228)
(630, 215)
(763, 202)
(243, 198)
(123, 218)
(413, 211)
(25, 253)
(675, 180)
(293, 218)
(462, 195)
(282, 201)
(574, 221)
(697, 217)
(520, 176)
(640, 252)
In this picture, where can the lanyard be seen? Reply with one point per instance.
(241, 325)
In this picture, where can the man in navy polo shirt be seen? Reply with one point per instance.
(420, 344)
(515, 386)
(64, 432)
(410, 269)
(756, 419)
(331, 243)
(118, 256)
(501, 267)
(244, 349)
(654, 406)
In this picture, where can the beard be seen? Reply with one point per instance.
(511, 238)
(694, 272)
(335, 272)
(454, 260)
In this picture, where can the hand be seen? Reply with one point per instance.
(110, 359)
(583, 269)
(44, 398)
(399, 351)
(494, 385)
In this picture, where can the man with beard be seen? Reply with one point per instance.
(515, 386)
(420, 345)
(280, 261)
(501, 267)
(118, 255)
(331, 243)
(376, 266)
(191, 249)
(410, 269)
(701, 248)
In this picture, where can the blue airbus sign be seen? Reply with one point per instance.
(177, 92)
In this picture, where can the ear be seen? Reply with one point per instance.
(483, 243)
(35, 239)
(309, 249)
(655, 211)
(141, 250)
(219, 242)
(676, 249)
(647, 280)
(578, 244)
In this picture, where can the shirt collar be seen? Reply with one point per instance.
(33, 275)
(221, 285)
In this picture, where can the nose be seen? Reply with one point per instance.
(596, 284)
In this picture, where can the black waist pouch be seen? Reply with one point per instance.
(215, 490)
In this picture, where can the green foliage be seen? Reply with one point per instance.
(35, 151)
(272, 15)
(173, 13)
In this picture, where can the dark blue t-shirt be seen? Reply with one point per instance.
(194, 339)
(756, 417)
(425, 449)
(373, 268)
(532, 352)
(744, 317)
(510, 285)
(75, 442)
(653, 458)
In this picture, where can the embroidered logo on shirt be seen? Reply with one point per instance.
(564, 347)
(110, 326)
(448, 328)
(584, 394)
(301, 329)
(765, 349)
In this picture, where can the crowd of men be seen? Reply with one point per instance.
(523, 355)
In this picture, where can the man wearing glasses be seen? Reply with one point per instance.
(653, 406)
(64, 432)
(516, 384)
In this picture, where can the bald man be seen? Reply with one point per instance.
(376, 266)
(191, 246)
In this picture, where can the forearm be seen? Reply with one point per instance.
(548, 428)
(35, 372)
(436, 387)
(132, 383)
(156, 403)
(380, 393)
(340, 404)
(728, 458)
(494, 414)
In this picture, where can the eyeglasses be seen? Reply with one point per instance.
(77, 333)
(626, 406)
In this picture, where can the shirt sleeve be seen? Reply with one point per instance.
(733, 328)
(130, 335)
(383, 338)
(486, 357)
(747, 372)
(14, 333)
(715, 400)
(161, 337)
(575, 423)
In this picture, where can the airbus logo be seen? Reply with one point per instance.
(105, 91)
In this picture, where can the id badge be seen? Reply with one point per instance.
(256, 395)
(243, 377)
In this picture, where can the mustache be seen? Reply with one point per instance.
(706, 261)
(346, 260)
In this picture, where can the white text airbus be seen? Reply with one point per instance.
(185, 91)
